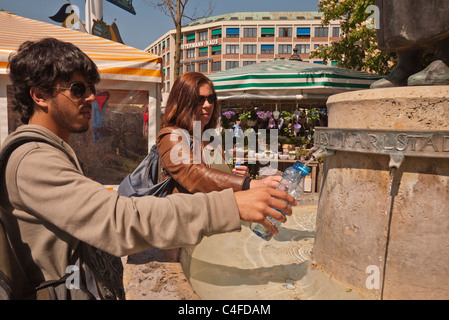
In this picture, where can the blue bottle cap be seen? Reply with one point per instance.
(305, 170)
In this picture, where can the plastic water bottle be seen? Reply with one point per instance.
(293, 183)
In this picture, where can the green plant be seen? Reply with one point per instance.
(286, 115)
(313, 115)
(245, 115)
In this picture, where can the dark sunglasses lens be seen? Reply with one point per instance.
(212, 98)
(78, 89)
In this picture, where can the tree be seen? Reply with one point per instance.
(357, 48)
(176, 10)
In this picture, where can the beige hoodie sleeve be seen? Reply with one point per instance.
(47, 189)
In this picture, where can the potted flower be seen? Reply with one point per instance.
(228, 114)
(291, 155)
(268, 154)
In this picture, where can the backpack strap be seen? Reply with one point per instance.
(14, 283)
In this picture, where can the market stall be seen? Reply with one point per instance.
(286, 95)
(127, 112)
(283, 94)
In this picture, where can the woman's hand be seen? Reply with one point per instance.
(256, 204)
(271, 182)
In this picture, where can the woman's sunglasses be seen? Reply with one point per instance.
(210, 98)
(78, 89)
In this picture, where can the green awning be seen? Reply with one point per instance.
(191, 36)
(216, 32)
(216, 48)
(289, 80)
(203, 49)
(267, 31)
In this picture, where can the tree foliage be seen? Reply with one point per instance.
(357, 48)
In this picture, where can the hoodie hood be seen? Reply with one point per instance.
(32, 132)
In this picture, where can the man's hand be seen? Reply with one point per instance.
(256, 204)
(270, 181)
(241, 170)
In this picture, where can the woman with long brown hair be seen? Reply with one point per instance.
(192, 104)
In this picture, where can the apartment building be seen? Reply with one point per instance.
(237, 39)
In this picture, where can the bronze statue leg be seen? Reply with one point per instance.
(409, 62)
(437, 73)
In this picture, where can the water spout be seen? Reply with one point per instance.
(317, 153)
(396, 161)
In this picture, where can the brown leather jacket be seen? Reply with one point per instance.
(195, 177)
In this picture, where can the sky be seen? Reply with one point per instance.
(140, 30)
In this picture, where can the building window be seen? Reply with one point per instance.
(202, 35)
(303, 48)
(267, 32)
(232, 49)
(321, 32)
(216, 66)
(190, 67)
(285, 48)
(267, 48)
(303, 33)
(168, 57)
(232, 64)
(216, 33)
(181, 69)
(232, 32)
(335, 31)
(216, 50)
(202, 67)
(190, 53)
(191, 37)
(285, 32)
(249, 49)
(203, 52)
(247, 63)
(250, 32)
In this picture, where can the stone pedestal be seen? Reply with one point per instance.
(386, 232)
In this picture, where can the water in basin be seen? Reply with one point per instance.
(240, 265)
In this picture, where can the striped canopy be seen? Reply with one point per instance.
(288, 80)
(114, 60)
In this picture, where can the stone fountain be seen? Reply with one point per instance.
(383, 215)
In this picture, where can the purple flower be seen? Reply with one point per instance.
(228, 114)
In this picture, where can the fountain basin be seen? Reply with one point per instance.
(386, 231)
(242, 266)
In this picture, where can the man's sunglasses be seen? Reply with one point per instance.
(210, 98)
(78, 89)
